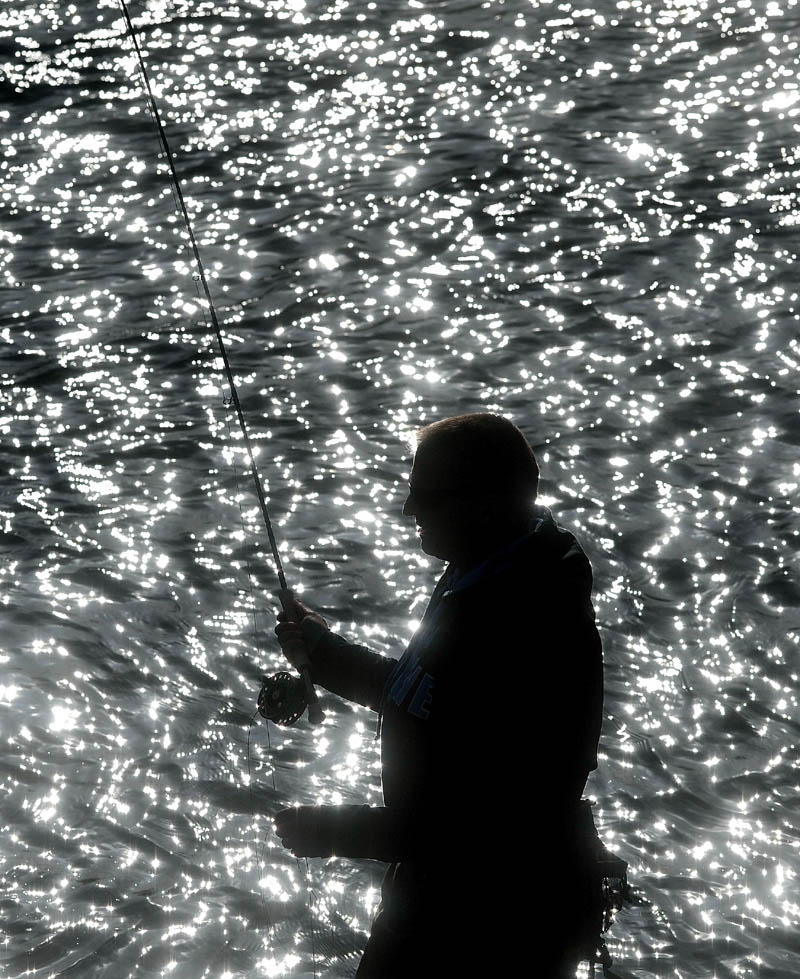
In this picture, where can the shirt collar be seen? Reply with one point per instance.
(498, 561)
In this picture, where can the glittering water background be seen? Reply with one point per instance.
(582, 215)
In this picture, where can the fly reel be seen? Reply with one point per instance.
(282, 698)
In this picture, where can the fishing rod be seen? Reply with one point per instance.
(283, 697)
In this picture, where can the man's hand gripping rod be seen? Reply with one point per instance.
(315, 713)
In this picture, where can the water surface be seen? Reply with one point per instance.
(582, 216)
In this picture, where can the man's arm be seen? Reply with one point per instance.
(348, 669)
(358, 832)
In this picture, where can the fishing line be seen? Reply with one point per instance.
(315, 714)
(209, 300)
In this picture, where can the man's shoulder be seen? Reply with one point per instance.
(557, 552)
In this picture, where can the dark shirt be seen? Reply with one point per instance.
(498, 695)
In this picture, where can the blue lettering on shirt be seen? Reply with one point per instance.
(422, 698)
(404, 677)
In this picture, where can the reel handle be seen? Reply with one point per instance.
(315, 713)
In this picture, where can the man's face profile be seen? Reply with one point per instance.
(445, 511)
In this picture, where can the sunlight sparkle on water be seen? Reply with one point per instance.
(578, 219)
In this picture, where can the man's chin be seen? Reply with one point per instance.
(430, 546)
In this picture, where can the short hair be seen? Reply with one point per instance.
(486, 452)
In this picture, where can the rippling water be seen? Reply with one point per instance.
(582, 215)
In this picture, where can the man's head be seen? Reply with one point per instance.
(472, 486)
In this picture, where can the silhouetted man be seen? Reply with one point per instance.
(489, 727)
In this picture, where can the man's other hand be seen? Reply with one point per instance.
(308, 831)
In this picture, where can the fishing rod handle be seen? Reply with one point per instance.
(315, 713)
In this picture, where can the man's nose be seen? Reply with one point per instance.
(408, 508)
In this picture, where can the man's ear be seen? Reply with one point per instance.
(489, 510)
